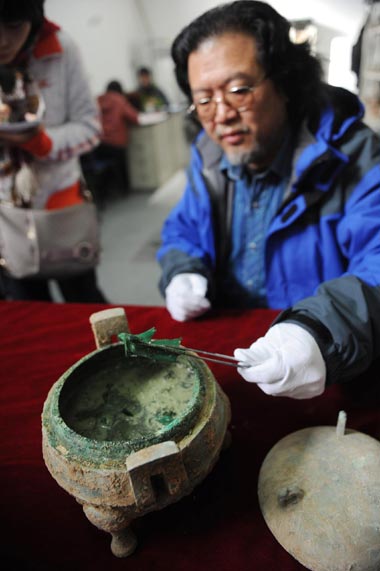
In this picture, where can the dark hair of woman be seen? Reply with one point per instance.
(115, 86)
(24, 11)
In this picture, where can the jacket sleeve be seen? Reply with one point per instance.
(187, 236)
(80, 130)
(344, 313)
(344, 319)
(131, 114)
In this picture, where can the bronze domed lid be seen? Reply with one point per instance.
(319, 492)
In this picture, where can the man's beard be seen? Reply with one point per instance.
(238, 156)
(259, 155)
(253, 156)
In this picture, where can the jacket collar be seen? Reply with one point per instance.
(47, 43)
(210, 151)
(344, 109)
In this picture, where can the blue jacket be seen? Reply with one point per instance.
(323, 246)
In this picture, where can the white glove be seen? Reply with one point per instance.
(186, 296)
(285, 362)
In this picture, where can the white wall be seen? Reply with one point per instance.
(116, 36)
(106, 32)
(344, 15)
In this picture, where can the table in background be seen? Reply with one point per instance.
(157, 151)
(219, 525)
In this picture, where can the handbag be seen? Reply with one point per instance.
(37, 243)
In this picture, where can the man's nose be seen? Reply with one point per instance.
(223, 111)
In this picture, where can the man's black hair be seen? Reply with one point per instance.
(293, 69)
(144, 71)
(23, 11)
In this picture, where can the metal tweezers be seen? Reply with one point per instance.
(222, 359)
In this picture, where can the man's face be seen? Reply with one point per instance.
(252, 136)
(144, 79)
(13, 36)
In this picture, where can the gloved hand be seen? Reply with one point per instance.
(186, 296)
(285, 362)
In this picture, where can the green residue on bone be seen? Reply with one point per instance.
(131, 402)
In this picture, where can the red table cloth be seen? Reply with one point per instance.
(219, 525)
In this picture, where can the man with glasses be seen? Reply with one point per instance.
(282, 203)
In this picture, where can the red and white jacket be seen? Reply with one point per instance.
(71, 120)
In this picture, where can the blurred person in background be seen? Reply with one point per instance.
(148, 97)
(106, 166)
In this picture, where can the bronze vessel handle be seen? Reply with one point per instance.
(107, 324)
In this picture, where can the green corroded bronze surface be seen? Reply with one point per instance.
(109, 405)
(132, 427)
(130, 402)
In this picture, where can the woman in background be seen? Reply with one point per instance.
(71, 127)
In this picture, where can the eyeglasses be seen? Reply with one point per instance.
(238, 97)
